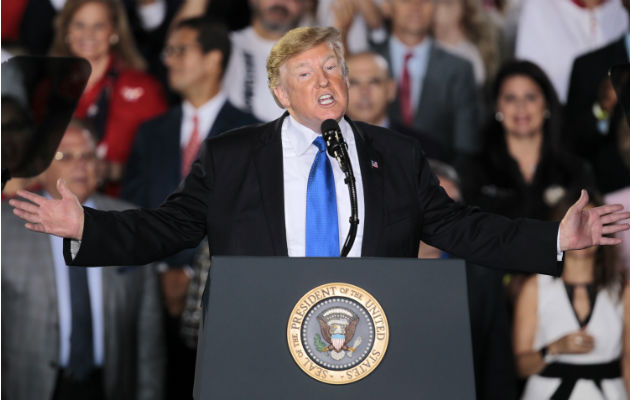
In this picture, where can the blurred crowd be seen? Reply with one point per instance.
(509, 98)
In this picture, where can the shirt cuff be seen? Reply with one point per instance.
(75, 245)
(152, 15)
(559, 253)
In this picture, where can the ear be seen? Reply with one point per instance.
(391, 90)
(282, 96)
(213, 60)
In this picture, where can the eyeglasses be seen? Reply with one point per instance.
(177, 50)
(68, 157)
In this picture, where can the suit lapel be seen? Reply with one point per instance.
(269, 167)
(429, 87)
(219, 125)
(372, 166)
(173, 130)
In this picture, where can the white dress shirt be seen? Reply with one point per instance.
(298, 153)
(206, 115)
(64, 307)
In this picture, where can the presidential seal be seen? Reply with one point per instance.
(337, 333)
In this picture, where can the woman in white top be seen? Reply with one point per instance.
(572, 334)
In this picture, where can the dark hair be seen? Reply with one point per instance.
(608, 273)
(211, 35)
(552, 128)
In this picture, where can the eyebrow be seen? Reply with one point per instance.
(306, 64)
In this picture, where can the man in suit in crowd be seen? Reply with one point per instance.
(196, 54)
(246, 191)
(372, 89)
(591, 103)
(436, 89)
(76, 333)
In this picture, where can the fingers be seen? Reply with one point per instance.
(608, 229)
(35, 198)
(607, 209)
(27, 216)
(35, 228)
(612, 218)
(606, 241)
(24, 205)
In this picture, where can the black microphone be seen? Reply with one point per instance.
(337, 148)
(335, 145)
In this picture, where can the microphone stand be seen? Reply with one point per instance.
(338, 148)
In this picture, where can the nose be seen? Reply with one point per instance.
(322, 79)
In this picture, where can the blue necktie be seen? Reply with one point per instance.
(81, 360)
(322, 231)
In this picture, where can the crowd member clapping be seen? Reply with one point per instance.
(572, 334)
(118, 96)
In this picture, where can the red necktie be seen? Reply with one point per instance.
(192, 148)
(405, 93)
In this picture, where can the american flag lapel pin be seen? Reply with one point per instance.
(374, 164)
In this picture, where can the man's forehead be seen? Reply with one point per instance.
(366, 66)
(76, 137)
(183, 34)
(316, 54)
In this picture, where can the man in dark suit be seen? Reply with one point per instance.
(436, 89)
(246, 191)
(196, 55)
(591, 128)
(52, 348)
(372, 89)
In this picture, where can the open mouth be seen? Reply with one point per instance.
(325, 100)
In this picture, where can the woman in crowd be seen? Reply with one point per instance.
(118, 95)
(572, 334)
(522, 171)
(461, 27)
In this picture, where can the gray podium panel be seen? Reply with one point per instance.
(243, 351)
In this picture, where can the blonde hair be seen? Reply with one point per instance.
(124, 49)
(297, 41)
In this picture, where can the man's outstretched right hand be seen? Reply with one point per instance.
(62, 217)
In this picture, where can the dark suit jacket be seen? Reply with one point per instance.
(449, 105)
(234, 194)
(589, 70)
(154, 168)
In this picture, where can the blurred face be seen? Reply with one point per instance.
(448, 14)
(277, 15)
(75, 162)
(370, 89)
(313, 87)
(89, 31)
(188, 67)
(412, 17)
(523, 105)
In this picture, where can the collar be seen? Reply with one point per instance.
(300, 137)
(582, 4)
(206, 108)
(420, 50)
